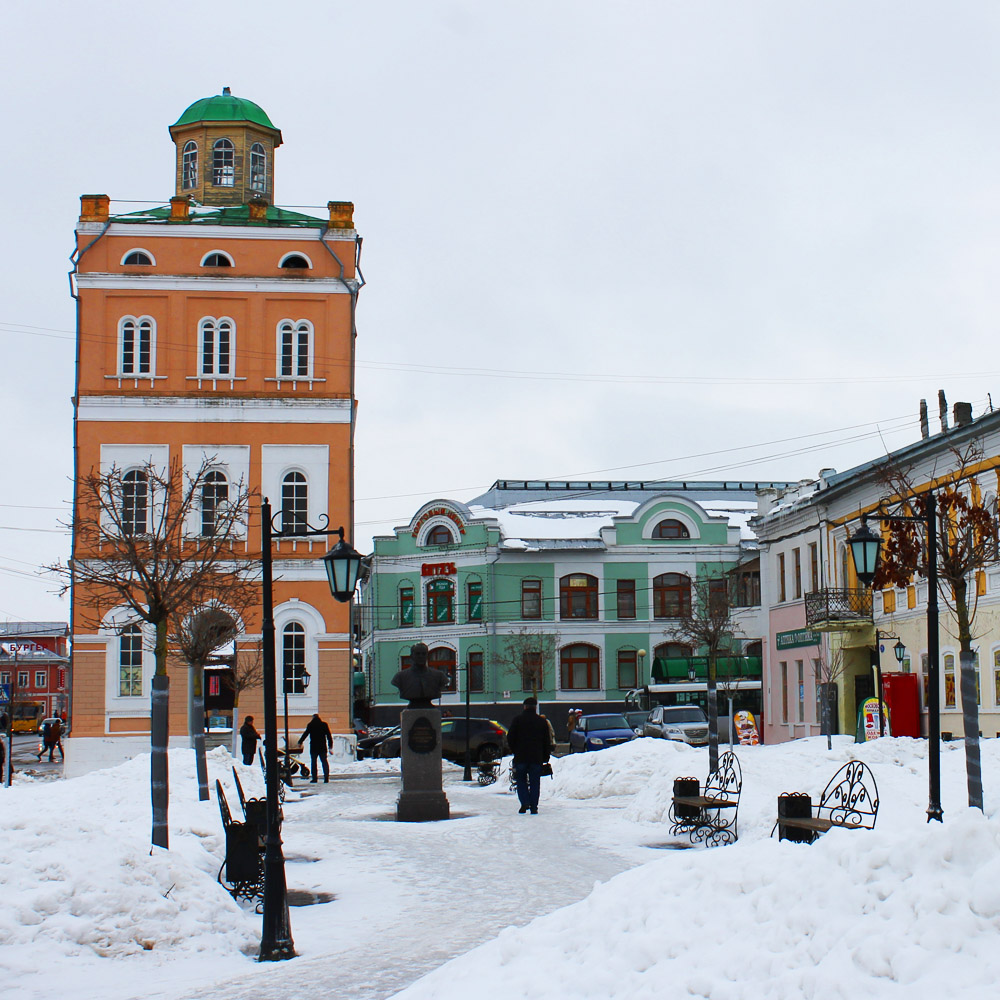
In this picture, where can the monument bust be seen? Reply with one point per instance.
(420, 685)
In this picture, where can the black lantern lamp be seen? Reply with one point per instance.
(692, 676)
(900, 650)
(865, 545)
(343, 564)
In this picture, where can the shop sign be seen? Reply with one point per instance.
(438, 512)
(797, 637)
(437, 569)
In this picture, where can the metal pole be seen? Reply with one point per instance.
(276, 937)
(9, 763)
(284, 688)
(934, 696)
(878, 682)
(467, 773)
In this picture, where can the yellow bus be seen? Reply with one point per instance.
(28, 716)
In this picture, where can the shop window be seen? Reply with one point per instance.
(440, 602)
(671, 595)
(443, 659)
(474, 593)
(580, 668)
(578, 596)
(949, 680)
(405, 606)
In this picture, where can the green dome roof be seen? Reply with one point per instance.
(225, 107)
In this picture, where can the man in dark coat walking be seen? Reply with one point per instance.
(528, 738)
(320, 740)
(248, 740)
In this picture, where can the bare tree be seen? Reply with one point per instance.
(530, 654)
(248, 673)
(198, 636)
(966, 543)
(831, 670)
(707, 621)
(160, 542)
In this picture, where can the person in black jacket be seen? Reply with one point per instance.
(528, 738)
(248, 740)
(320, 740)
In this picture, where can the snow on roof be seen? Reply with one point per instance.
(584, 517)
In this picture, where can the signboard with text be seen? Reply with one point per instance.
(796, 637)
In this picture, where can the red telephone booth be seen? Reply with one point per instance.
(903, 700)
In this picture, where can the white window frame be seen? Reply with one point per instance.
(189, 165)
(212, 325)
(297, 253)
(258, 153)
(132, 629)
(44, 675)
(142, 250)
(136, 376)
(308, 617)
(295, 327)
(129, 475)
(213, 478)
(296, 486)
(297, 687)
(223, 173)
(221, 253)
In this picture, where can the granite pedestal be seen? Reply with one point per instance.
(422, 798)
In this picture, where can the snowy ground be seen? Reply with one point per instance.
(909, 908)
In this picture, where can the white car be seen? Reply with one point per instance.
(685, 723)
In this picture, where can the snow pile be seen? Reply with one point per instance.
(909, 906)
(77, 878)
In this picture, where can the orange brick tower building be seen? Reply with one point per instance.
(218, 327)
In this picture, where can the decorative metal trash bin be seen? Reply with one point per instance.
(795, 805)
(686, 788)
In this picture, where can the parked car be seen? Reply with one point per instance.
(376, 737)
(487, 741)
(636, 720)
(598, 732)
(685, 723)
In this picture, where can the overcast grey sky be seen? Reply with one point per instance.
(601, 239)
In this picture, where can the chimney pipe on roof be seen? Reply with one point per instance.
(943, 410)
(925, 430)
(963, 414)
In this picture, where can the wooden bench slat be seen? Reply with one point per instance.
(817, 824)
(701, 802)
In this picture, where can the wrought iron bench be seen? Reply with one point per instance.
(244, 861)
(849, 802)
(709, 817)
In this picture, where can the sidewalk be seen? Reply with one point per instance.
(408, 897)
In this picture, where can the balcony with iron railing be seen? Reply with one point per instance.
(838, 610)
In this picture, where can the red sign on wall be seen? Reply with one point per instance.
(437, 569)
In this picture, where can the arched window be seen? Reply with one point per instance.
(949, 680)
(136, 338)
(295, 349)
(214, 493)
(189, 165)
(294, 261)
(137, 258)
(671, 528)
(443, 658)
(135, 502)
(578, 596)
(258, 168)
(439, 535)
(440, 602)
(671, 595)
(130, 662)
(223, 163)
(293, 658)
(217, 259)
(580, 667)
(216, 348)
(294, 502)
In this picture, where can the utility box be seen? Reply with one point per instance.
(902, 697)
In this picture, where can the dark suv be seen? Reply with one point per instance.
(487, 741)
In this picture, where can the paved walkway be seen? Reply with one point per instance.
(412, 896)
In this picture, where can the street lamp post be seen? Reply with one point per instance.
(899, 650)
(864, 546)
(342, 564)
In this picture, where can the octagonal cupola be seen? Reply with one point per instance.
(225, 151)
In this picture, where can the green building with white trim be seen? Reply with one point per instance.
(567, 589)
